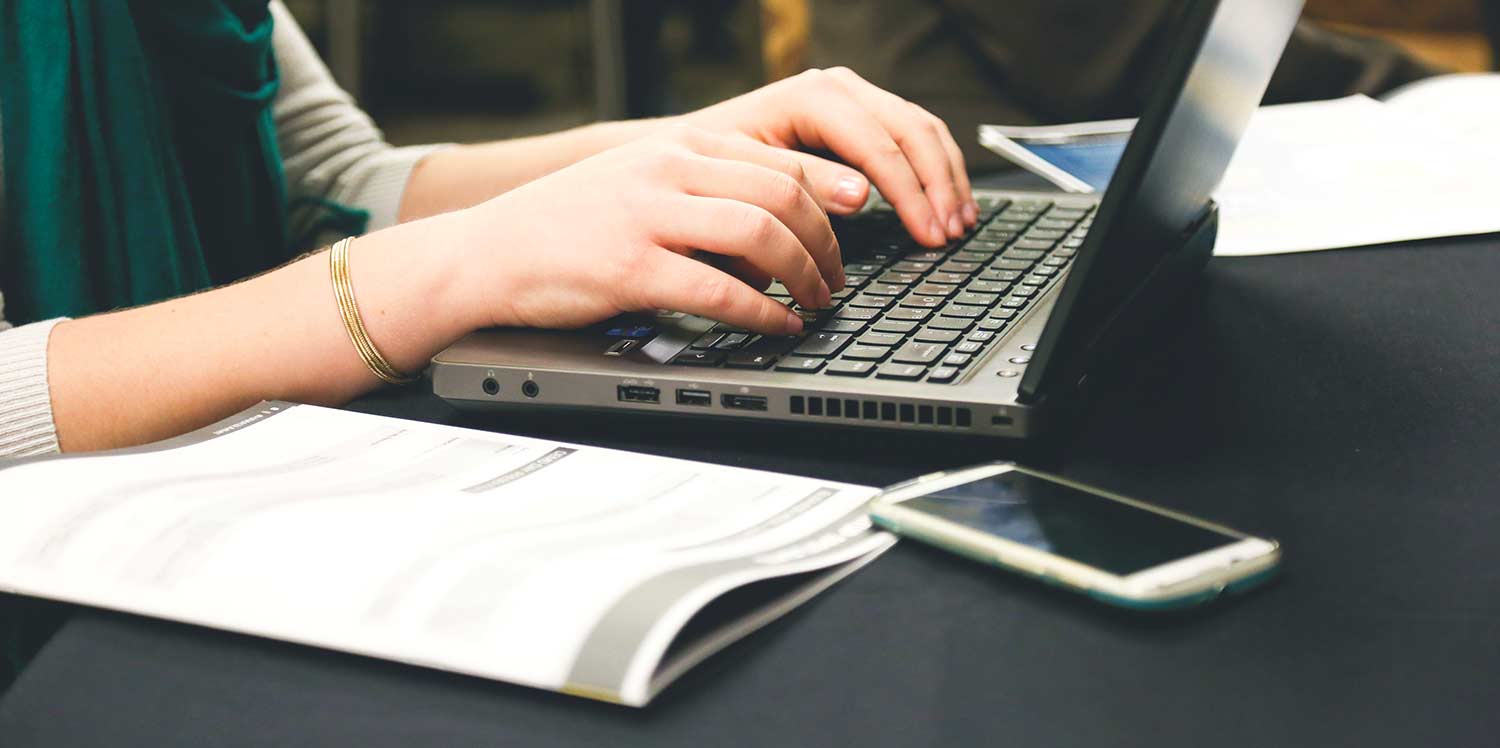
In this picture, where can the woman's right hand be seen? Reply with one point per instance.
(685, 220)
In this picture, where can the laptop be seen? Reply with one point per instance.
(992, 335)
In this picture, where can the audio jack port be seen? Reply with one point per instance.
(530, 389)
(491, 387)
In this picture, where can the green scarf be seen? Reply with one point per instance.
(140, 156)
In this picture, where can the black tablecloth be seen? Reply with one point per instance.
(1343, 402)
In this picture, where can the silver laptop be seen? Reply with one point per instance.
(988, 336)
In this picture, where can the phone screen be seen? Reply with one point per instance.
(1085, 527)
(1090, 158)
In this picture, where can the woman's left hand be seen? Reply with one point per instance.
(908, 153)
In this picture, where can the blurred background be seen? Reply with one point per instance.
(464, 70)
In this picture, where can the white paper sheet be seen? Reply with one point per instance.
(1352, 172)
(464, 550)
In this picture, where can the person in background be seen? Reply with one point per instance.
(1023, 62)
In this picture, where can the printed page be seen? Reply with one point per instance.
(470, 551)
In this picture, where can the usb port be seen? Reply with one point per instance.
(635, 394)
(743, 402)
(695, 397)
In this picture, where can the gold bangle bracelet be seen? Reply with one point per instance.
(343, 292)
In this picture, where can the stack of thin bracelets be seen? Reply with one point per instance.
(343, 290)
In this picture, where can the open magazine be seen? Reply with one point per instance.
(590, 571)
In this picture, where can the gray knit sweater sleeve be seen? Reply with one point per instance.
(331, 152)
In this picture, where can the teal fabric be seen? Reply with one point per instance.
(140, 152)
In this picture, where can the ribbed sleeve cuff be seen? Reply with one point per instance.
(26, 426)
(382, 182)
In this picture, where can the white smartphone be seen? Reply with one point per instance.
(1112, 548)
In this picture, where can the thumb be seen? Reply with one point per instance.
(838, 188)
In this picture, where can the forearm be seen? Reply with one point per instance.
(151, 372)
(462, 176)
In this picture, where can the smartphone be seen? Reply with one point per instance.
(1114, 549)
(1079, 157)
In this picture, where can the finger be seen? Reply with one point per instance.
(740, 268)
(919, 139)
(969, 206)
(838, 188)
(681, 284)
(839, 124)
(779, 193)
(733, 228)
(797, 207)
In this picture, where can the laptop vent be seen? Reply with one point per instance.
(876, 410)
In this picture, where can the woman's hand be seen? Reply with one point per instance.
(619, 232)
(908, 152)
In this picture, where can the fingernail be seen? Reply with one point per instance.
(935, 231)
(793, 323)
(971, 213)
(955, 227)
(849, 191)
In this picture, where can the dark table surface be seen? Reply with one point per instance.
(1342, 402)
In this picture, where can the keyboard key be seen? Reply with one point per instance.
(1035, 279)
(891, 276)
(1023, 290)
(1056, 262)
(979, 299)
(732, 341)
(1044, 270)
(975, 257)
(1000, 224)
(934, 289)
(1002, 314)
(969, 346)
(800, 364)
(981, 336)
(951, 323)
(895, 326)
(908, 266)
(930, 255)
(855, 281)
(1014, 302)
(951, 279)
(838, 296)
(885, 289)
(1000, 276)
(1073, 213)
(861, 268)
(906, 372)
(936, 336)
(1045, 235)
(942, 374)
(856, 313)
(914, 314)
(749, 360)
(841, 325)
(958, 266)
(1053, 222)
(923, 302)
(1064, 252)
(842, 368)
(707, 340)
(871, 302)
(1004, 264)
(963, 310)
(987, 286)
(990, 325)
(987, 246)
(698, 358)
(822, 344)
(880, 338)
(1025, 255)
(919, 353)
(858, 352)
(957, 359)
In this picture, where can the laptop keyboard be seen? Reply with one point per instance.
(910, 313)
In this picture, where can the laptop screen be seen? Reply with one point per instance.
(1213, 80)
